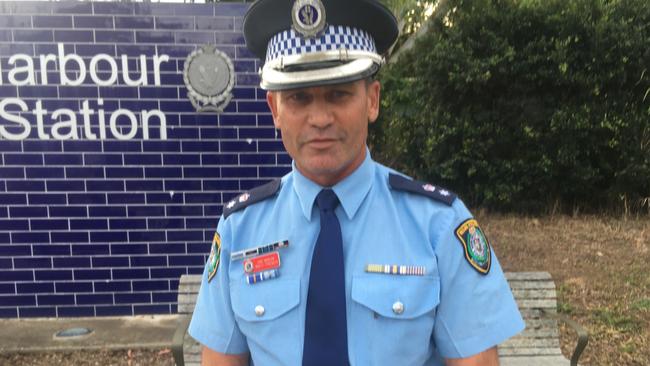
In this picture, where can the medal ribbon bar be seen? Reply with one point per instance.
(252, 252)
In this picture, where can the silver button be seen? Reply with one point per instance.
(259, 310)
(398, 307)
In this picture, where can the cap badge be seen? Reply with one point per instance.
(308, 17)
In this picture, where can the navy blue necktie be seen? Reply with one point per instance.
(326, 339)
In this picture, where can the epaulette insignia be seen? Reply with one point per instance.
(256, 194)
(405, 184)
(475, 244)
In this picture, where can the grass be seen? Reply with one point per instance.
(616, 319)
(600, 267)
(642, 305)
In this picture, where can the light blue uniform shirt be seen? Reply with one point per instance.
(452, 311)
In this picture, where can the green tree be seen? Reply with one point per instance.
(523, 105)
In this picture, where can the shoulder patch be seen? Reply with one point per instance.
(476, 245)
(246, 199)
(215, 257)
(402, 183)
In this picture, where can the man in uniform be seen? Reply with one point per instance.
(343, 261)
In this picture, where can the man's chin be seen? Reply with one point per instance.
(324, 170)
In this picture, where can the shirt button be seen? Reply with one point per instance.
(259, 310)
(398, 308)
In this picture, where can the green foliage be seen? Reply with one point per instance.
(641, 305)
(526, 104)
(616, 319)
(410, 13)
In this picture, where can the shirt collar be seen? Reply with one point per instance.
(351, 191)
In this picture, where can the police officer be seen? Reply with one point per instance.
(343, 261)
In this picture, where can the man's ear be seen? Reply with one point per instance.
(373, 91)
(272, 101)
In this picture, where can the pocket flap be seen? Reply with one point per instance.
(383, 294)
(270, 298)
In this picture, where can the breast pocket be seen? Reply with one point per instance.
(398, 315)
(267, 313)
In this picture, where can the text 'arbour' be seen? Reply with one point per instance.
(66, 124)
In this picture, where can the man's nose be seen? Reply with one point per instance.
(320, 115)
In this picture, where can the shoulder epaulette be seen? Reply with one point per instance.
(402, 183)
(246, 199)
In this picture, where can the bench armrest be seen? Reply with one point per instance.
(583, 335)
(179, 338)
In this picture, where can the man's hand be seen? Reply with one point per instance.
(488, 357)
(214, 358)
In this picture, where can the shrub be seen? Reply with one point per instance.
(525, 105)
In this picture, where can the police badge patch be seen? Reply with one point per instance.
(476, 245)
(215, 256)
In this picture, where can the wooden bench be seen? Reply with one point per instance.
(535, 293)
(539, 343)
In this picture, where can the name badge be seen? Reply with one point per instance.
(262, 263)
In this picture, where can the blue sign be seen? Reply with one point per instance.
(111, 182)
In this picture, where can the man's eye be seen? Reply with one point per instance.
(339, 94)
(299, 97)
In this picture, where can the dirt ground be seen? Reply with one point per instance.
(91, 358)
(600, 268)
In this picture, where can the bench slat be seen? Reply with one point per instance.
(527, 352)
(534, 293)
(516, 276)
(531, 285)
(536, 303)
(523, 342)
(185, 309)
(542, 332)
(537, 361)
(189, 288)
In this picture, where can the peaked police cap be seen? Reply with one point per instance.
(316, 42)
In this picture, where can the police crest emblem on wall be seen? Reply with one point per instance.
(209, 76)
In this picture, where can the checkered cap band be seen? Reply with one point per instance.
(334, 37)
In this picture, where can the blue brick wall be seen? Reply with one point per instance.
(106, 227)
